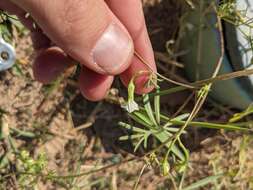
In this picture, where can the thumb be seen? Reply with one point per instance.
(87, 30)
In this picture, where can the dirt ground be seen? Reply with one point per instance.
(78, 136)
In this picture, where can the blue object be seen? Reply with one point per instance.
(201, 39)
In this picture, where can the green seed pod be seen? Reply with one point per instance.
(165, 167)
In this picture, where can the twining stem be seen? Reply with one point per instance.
(197, 85)
(201, 99)
(159, 75)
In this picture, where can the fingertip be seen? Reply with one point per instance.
(94, 86)
(50, 64)
(131, 15)
(142, 79)
(145, 52)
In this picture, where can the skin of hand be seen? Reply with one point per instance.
(101, 35)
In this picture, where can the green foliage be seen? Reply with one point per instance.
(227, 11)
(150, 120)
(168, 131)
(203, 182)
(33, 167)
(5, 26)
(152, 124)
(238, 116)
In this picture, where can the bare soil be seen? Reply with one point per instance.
(78, 135)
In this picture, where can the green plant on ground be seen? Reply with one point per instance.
(148, 124)
(168, 132)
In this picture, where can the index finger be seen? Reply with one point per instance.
(130, 13)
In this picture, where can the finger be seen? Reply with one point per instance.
(10, 7)
(131, 15)
(87, 30)
(137, 66)
(39, 39)
(50, 64)
(94, 86)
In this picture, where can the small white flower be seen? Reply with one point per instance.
(131, 106)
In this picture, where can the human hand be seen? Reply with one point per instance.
(101, 35)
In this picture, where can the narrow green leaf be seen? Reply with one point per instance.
(21, 133)
(173, 130)
(141, 119)
(131, 128)
(138, 144)
(182, 117)
(130, 137)
(157, 107)
(207, 125)
(148, 109)
(4, 161)
(164, 136)
(215, 126)
(145, 143)
(203, 182)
